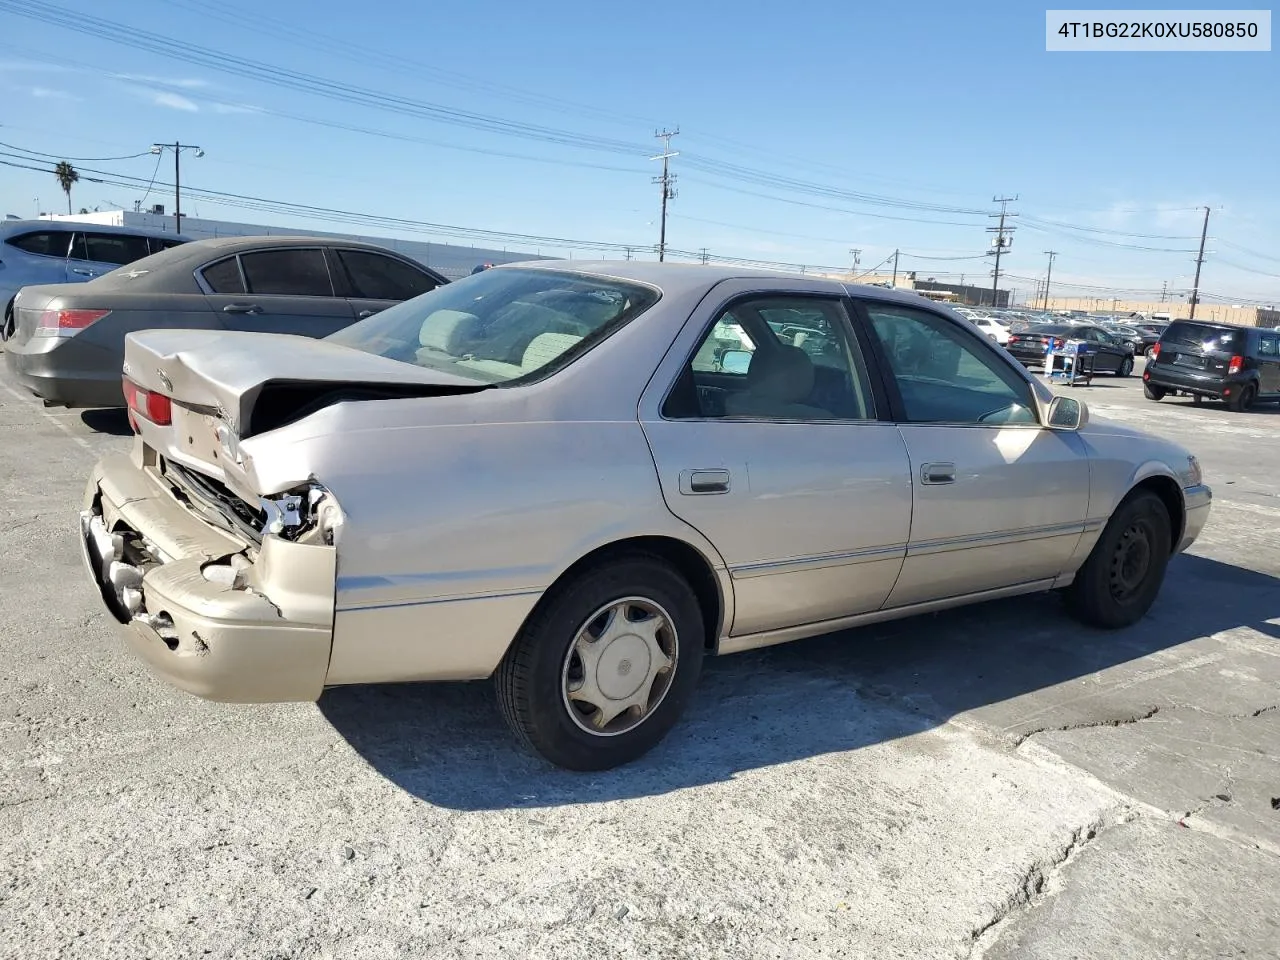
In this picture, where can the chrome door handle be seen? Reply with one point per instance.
(81, 271)
(701, 482)
(242, 308)
(363, 314)
(938, 473)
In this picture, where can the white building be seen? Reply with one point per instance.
(452, 260)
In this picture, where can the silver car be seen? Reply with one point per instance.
(64, 251)
(580, 481)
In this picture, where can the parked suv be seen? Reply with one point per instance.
(66, 251)
(1239, 365)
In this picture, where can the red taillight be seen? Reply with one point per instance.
(1155, 351)
(141, 402)
(1235, 366)
(66, 323)
(1013, 338)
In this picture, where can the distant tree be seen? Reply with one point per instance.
(84, 209)
(66, 176)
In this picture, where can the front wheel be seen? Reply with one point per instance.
(1154, 393)
(606, 664)
(1243, 398)
(1119, 581)
(1125, 368)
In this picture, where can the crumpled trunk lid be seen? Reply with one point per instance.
(255, 382)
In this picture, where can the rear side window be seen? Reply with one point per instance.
(376, 277)
(224, 276)
(297, 273)
(1205, 337)
(117, 248)
(45, 243)
(157, 244)
(1269, 346)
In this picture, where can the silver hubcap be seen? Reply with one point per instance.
(619, 666)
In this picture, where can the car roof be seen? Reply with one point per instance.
(11, 228)
(675, 278)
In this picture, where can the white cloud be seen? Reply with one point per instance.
(181, 83)
(45, 93)
(235, 108)
(174, 101)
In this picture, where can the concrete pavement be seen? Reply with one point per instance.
(996, 781)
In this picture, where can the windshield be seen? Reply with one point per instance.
(502, 325)
(1205, 337)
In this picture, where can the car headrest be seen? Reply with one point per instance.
(784, 374)
(545, 347)
(449, 330)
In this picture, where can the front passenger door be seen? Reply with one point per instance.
(285, 290)
(999, 499)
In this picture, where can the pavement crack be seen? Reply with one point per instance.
(1259, 712)
(1033, 883)
(1088, 725)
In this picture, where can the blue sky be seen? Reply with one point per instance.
(806, 128)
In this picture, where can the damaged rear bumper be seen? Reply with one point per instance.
(209, 612)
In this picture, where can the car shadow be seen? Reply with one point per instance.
(109, 420)
(446, 744)
(1217, 406)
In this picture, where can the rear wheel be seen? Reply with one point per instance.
(1125, 368)
(1154, 393)
(605, 666)
(1243, 398)
(1118, 583)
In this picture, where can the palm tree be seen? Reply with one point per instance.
(66, 175)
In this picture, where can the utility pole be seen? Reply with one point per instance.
(177, 149)
(703, 255)
(1000, 243)
(629, 249)
(1195, 287)
(666, 182)
(1047, 277)
(857, 258)
(894, 282)
(1164, 290)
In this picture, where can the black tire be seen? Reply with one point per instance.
(1125, 368)
(1147, 352)
(1119, 581)
(1154, 393)
(532, 677)
(8, 326)
(1243, 398)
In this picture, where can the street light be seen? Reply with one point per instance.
(177, 148)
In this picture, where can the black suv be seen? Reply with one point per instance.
(1239, 365)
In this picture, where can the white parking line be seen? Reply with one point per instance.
(50, 417)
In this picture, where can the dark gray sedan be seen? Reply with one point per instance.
(65, 342)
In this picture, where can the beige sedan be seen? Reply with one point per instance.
(581, 480)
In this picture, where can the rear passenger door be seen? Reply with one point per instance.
(93, 254)
(277, 290)
(1269, 363)
(374, 281)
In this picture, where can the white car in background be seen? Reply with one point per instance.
(992, 327)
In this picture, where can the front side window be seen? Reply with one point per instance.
(44, 243)
(377, 277)
(295, 273)
(1269, 346)
(775, 358)
(502, 326)
(943, 374)
(116, 248)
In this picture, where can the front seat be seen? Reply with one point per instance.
(778, 381)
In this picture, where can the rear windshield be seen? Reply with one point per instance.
(501, 325)
(1205, 337)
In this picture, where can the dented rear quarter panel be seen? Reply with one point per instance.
(460, 511)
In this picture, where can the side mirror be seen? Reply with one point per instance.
(1067, 413)
(735, 361)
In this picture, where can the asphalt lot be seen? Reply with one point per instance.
(995, 782)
